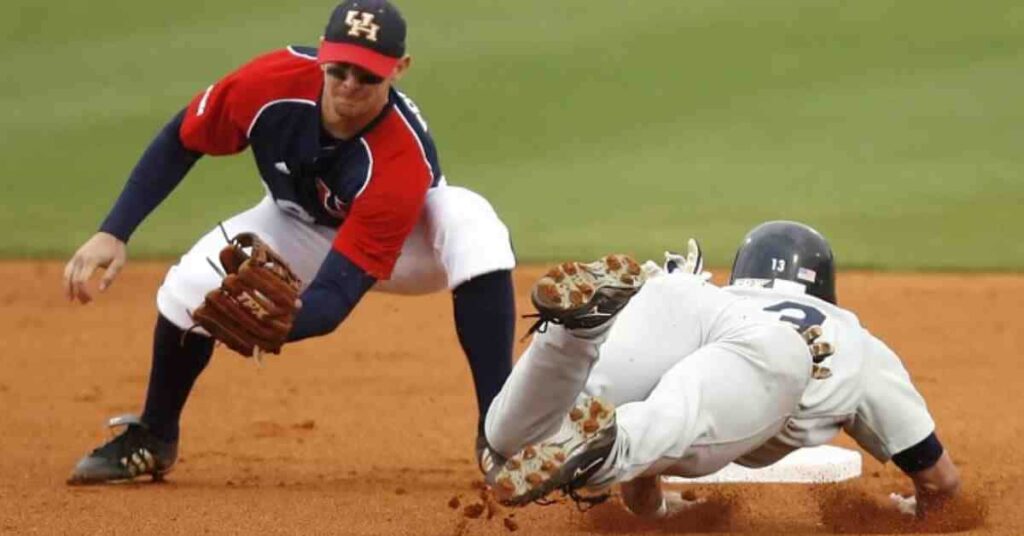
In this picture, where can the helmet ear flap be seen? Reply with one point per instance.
(787, 251)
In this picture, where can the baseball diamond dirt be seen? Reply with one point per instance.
(369, 430)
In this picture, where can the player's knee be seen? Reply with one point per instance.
(173, 309)
(183, 290)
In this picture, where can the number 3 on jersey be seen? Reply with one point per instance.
(800, 315)
(803, 317)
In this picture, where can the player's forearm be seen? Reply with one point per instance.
(160, 169)
(333, 293)
(936, 485)
(930, 467)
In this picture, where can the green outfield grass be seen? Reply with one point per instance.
(895, 127)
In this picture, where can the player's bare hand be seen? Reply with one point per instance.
(819, 349)
(907, 505)
(677, 503)
(101, 251)
(672, 503)
(644, 498)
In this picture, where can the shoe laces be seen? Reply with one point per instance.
(540, 326)
(583, 502)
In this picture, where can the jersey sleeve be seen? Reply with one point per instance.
(387, 210)
(212, 124)
(892, 416)
(218, 119)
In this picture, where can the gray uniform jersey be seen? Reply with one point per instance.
(869, 395)
(704, 376)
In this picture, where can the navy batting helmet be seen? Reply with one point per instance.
(789, 251)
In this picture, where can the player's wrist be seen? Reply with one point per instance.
(644, 498)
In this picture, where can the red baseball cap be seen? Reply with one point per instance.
(366, 33)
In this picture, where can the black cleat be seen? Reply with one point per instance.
(586, 295)
(132, 453)
(565, 462)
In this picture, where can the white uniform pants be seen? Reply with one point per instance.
(458, 237)
(712, 406)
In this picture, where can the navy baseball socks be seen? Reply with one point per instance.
(485, 321)
(149, 445)
(178, 359)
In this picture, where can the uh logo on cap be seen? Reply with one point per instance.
(360, 23)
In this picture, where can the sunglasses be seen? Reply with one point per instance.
(341, 71)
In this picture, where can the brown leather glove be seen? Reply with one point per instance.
(253, 309)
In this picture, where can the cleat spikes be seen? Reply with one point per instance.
(586, 295)
(567, 461)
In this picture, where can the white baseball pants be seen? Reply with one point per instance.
(459, 236)
(711, 406)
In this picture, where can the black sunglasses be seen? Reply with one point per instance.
(341, 71)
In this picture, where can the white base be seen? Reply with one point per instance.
(804, 466)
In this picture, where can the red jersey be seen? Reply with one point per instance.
(371, 187)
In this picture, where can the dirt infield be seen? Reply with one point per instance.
(369, 431)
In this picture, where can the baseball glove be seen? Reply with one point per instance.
(253, 309)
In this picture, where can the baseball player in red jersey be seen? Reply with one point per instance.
(657, 372)
(355, 199)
